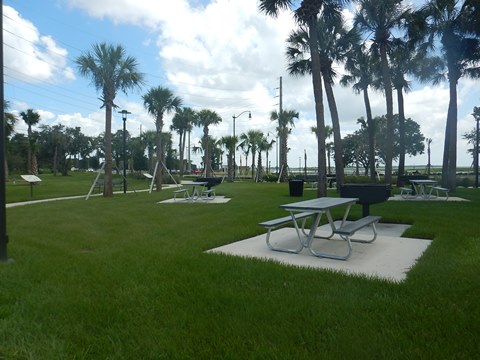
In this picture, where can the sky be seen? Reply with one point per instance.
(222, 55)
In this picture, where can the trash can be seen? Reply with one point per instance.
(295, 187)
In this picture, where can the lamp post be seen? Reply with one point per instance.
(124, 118)
(235, 117)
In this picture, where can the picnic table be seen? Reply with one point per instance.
(314, 209)
(198, 190)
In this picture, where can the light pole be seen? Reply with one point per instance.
(124, 118)
(235, 117)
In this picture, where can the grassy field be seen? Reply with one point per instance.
(128, 278)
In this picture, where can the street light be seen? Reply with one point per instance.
(235, 117)
(124, 118)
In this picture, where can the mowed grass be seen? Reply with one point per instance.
(128, 278)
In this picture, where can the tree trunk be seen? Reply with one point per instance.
(182, 151)
(107, 181)
(449, 167)
(389, 101)
(337, 137)
(206, 153)
(401, 130)
(319, 111)
(371, 135)
(230, 167)
(159, 177)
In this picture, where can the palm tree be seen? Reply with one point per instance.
(402, 62)
(159, 101)
(334, 43)
(360, 65)
(245, 146)
(230, 143)
(306, 14)
(380, 18)
(263, 146)
(31, 118)
(285, 119)
(444, 23)
(250, 140)
(204, 119)
(110, 70)
(10, 120)
(149, 138)
(182, 122)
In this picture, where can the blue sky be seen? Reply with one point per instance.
(222, 55)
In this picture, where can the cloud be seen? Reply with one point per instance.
(28, 56)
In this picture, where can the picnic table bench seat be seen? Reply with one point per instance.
(183, 191)
(405, 192)
(208, 194)
(439, 189)
(275, 223)
(349, 229)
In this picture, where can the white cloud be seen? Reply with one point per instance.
(29, 56)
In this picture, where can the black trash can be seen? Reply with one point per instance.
(296, 187)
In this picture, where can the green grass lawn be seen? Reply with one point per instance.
(127, 278)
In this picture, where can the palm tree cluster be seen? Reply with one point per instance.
(388, 41)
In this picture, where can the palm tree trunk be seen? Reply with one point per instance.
(206, 153)
(182, 151)
(389, 102)
(371, 135)
(319, 111)
(159, 177)
(107, 181)
(401, 130)
(337, 137)
(449, 167)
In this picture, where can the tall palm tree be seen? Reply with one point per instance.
(159, 101)
(402, 62)
(204, 119)
(110, 70)
(306, 13)
(360, 74)
(381, 18)
(441, 24)
(230, 143)
(334, 43)
(285, 120)
(31, 118)
(182, 123)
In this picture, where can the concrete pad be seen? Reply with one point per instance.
(440, 198)
(389, 257)
(181, 200)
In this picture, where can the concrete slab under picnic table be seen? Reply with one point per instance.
(389, 257)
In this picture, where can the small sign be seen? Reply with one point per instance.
(31, 178)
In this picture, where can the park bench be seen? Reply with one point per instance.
(349, 229)
(100, 183)
(439, 189)
(275, 223)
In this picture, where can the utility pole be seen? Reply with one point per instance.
(3, 206)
